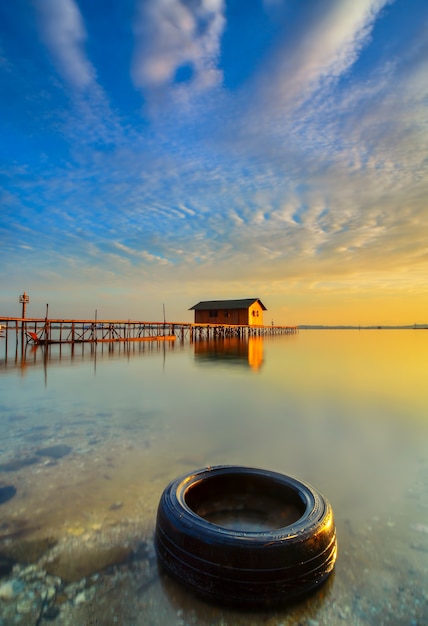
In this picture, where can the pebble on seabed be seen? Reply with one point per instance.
(24, 606)
(7, 590)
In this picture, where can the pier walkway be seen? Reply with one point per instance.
(42, 331)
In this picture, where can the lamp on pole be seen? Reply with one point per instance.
(24, 299)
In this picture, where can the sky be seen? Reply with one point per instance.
(155, 153)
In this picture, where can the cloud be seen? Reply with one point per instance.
(324, 185)
(143, 254)
(324, 49)
(64, 33)
(178, 42)
(290, 106)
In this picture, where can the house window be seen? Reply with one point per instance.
(226, 314)
(213, 313)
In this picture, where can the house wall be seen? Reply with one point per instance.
(231, 316)
(222, 316)
(255, 315)
(204, 317)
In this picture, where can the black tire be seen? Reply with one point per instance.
(293, 553)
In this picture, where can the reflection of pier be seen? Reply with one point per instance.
(45, 331)
(47, 341)
(32, 355)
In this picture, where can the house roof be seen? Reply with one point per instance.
(226, 304)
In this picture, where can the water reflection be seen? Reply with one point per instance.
(345, 411)
(23, 356)
(246, 352)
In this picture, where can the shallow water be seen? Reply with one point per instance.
(343, 410)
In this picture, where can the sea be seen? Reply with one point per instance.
(90, 436)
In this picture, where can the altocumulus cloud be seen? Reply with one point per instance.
(311, 161)
(63, 30)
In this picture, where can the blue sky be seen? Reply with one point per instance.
(162, 152)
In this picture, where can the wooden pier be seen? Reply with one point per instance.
(43, 331)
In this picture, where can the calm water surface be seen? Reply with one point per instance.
(344, 410)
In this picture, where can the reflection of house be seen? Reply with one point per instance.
(248, 312)
(231, 351)
(255, 352)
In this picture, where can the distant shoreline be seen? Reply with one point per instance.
(373, 327)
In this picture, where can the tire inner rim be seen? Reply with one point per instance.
(245, 502)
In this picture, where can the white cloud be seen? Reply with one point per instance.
(174, 34)
(143, 254)
(64, 33)
(330, 43)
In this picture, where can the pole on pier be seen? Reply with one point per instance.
(24, 299)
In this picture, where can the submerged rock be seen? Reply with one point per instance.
(16, 464)
(26, 550)
(88, 562)
(55, 452)
(6, 493)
